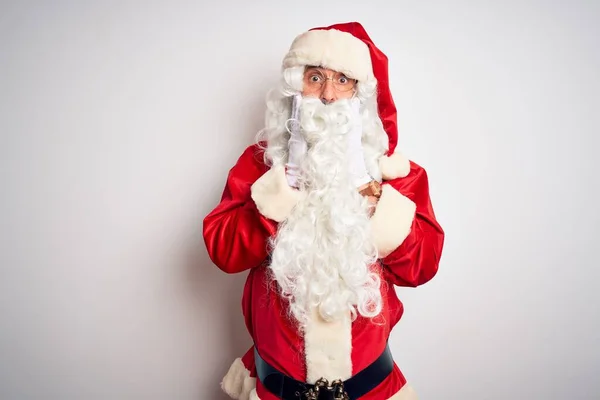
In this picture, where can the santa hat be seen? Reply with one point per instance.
(347, 48)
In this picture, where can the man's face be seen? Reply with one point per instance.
(327, 85)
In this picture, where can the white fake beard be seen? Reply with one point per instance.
(322, 255)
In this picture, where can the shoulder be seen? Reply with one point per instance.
(250, 165)
(415, 183)
(412, 171)
(416, 170)
(253, 156)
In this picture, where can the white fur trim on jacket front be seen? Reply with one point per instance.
(238, 383)
(273, 196)
(333, 49)
(394, 166)
(328, 348)
(392, 220)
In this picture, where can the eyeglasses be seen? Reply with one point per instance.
(315, 79)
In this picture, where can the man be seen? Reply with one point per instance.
(327, 217)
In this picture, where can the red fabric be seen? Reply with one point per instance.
(235, 233)
(416, 260)
(385, 102)
(236, 236)
(248, 361)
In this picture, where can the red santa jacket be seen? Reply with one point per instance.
(409, 240)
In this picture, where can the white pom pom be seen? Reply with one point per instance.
(394, 166)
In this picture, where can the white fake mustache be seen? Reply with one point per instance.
(313, 121)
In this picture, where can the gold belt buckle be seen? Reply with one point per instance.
(338, 390)
(336, 387)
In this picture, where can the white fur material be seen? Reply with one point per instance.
(333, 49)
(392, 220)
(328, 348)
(254, 396)
(406, 393)
(273, 196)
(394, 166)
(238, 383)
(310, 263)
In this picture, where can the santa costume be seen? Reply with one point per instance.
(319, 301)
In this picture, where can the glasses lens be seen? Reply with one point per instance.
(343, 83)
(314, 80)
(344, 86)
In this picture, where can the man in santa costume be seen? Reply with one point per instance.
(327, 217)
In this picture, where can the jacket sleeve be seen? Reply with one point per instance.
(408, 236)
(235, 233)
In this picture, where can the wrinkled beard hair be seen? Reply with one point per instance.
(322, 256)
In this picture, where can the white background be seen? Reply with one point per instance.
(119, 122)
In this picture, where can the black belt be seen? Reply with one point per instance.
(287, 388)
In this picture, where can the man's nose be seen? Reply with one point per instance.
(328, 94)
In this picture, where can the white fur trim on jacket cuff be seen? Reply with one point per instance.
(253, 395)
(273, 196)
(238, 383)
(392, 220)
(394, 166)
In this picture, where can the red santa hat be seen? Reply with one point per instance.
(347, 48)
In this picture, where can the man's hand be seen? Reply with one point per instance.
(371, 199)
(372, 204)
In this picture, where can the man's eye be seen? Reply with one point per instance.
(315, 78)
(343, 80)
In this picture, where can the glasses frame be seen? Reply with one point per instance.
(319, 86)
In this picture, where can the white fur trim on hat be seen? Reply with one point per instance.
(238, 383)
(333, 49)
(394, 166)
(392, 220)
(273, 196)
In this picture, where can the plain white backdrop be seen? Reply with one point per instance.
(120, 120)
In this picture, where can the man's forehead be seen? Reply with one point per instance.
(322, 69)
